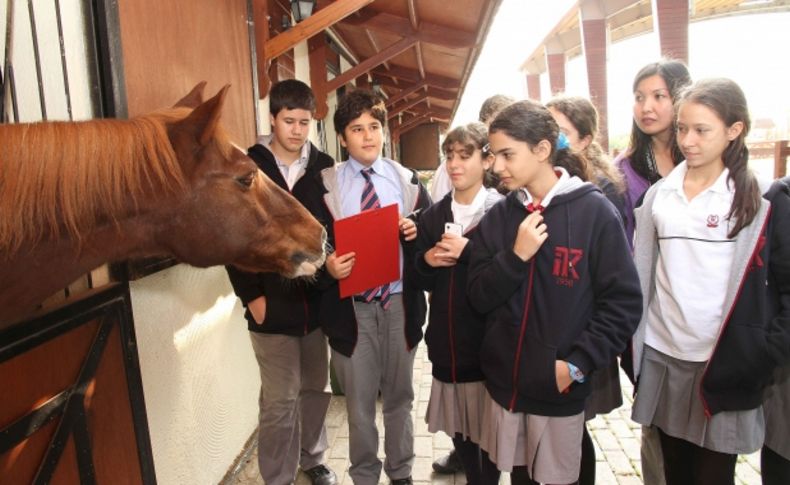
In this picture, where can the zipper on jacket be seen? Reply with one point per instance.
(521, 337)
(450, 324)
(756, 251)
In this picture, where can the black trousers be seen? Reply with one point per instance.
(688, 464)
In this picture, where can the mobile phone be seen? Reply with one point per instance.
(454, 228)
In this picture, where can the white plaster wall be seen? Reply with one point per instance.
(199, 374)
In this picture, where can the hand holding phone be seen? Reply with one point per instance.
(454, 228)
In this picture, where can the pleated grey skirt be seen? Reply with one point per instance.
(550, 447)
(456, 408)
(668, 397)
(606, 395)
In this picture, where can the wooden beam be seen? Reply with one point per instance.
(260, 18)
(425, 32)
(407, 105)
(371, 62)
(434, 112)
(442, 94)
(413, 122)
(318, 22)
(405, 94)
(414, 76)
(362, 81)
(317, 49)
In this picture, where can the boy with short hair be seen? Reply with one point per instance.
(373, 336)
(282, 315)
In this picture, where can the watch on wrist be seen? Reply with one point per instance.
(576, 374)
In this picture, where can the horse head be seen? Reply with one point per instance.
(231, 213)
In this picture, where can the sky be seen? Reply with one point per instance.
(748, 49)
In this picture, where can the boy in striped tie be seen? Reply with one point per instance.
(373, 335)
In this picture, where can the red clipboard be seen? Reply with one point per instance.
(374, 236)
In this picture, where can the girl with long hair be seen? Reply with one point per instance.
(710, 336)
(551, 271)
(652, 152)
(455, 330)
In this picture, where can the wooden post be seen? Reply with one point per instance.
(781, 152)
(317, 52)
(260, 17)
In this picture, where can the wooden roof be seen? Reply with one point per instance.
(419, 53)
(629, 18)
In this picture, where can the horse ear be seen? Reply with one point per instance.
(204, 119)
(194, 98)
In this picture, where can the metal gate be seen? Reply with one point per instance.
(72, 407)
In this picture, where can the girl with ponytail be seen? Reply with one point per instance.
(550, 268)
(716, 317)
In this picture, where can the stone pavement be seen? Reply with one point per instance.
(616, 440)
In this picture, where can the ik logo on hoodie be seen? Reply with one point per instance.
(566, 261)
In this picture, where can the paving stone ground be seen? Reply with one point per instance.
(615, 436)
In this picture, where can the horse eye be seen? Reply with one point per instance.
(246, 180)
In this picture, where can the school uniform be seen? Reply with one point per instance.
(289, 346)
(775, 467)
(455, 330)
(577, 299)
(373, 348)
(635, 187)
(711, 335)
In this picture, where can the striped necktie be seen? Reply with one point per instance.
(368, 201)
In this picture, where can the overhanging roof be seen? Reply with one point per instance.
(419, 52)
(629, 18)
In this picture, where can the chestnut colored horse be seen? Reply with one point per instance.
(76, 195)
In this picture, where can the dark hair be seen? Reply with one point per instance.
(584, 117)
(291, 94)
(531, 123)
(726, 99)
(494, 105)
(473, 136)
(353, 104)
(676, 76)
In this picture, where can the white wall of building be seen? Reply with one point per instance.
(199, 373)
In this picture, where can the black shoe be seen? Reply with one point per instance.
(448, 464)
(402, 481)
(321, 475)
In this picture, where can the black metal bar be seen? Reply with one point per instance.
(37, 57)
(107, 29)
(63, 62)
(92, 57)
(74, 403)
(12, 83)
(18, 339)
(134, 382)
(82, 444)
(9, 41)
(22, 428)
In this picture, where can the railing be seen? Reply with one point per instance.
(778, 150)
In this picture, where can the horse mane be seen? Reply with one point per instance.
(67, 178)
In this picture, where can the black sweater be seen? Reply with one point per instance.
(578, 299)
(291, 305)
(455, 330)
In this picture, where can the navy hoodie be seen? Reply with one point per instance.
(578, 299)
(455, 329)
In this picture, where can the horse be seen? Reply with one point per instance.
(76, 195)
